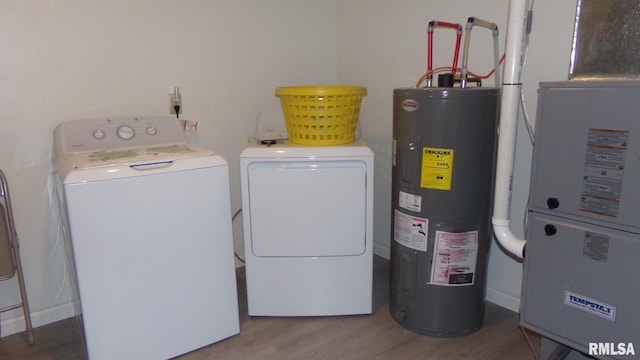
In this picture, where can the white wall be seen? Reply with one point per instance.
(69, 59)
(382, 45)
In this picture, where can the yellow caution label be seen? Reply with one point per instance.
(437, 168)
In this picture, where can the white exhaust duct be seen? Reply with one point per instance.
(509, 108)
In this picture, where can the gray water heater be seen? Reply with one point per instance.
(444, 143)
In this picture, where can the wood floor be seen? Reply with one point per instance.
(364, 337)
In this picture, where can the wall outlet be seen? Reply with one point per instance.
(172, 109)
(175, 99)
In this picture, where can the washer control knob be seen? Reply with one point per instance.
(125, 132)
(151, 130)
(98, 134)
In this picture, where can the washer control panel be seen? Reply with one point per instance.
(118, 133)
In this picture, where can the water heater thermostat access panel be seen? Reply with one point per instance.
(119, 132)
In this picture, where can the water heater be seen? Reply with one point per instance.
(444, 142)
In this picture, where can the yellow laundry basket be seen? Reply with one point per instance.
(322, 114)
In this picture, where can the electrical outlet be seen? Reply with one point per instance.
(172, 106)
(175, 99)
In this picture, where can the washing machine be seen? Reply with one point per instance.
(149, 220)
(308, 222)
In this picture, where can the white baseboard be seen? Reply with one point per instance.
(16, 324)
(503, 299)
(382, 250)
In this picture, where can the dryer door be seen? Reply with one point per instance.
(307, 208)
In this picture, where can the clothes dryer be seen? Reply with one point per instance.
(308, 222)
(150, 232)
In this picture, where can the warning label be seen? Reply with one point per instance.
(603, 171)
(454, 258)
(437, 168)
(410, 231)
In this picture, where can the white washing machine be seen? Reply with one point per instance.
(308, 223)
(150, 227)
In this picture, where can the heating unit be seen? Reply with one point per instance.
(580, 286)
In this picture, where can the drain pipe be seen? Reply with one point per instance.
(509, 108)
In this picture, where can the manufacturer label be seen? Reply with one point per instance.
(437, 168)
(410, 105)
(589, 305)
(410, 201)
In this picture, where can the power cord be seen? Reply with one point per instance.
(177, 109)
(235, 215)
(176, 101)
(526, 338)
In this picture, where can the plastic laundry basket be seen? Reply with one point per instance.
(321, 115)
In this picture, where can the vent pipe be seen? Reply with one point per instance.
(509, 108)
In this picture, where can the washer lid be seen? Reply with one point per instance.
(125, 163)
(108, 148)
(134, 156)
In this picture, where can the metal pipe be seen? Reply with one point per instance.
(509, 109)
(430, 28)
(471, 22)
(496, 54)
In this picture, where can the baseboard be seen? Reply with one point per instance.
(16, 324)
(382, 250)
(503, 299)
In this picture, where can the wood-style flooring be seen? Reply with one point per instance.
(366, 337)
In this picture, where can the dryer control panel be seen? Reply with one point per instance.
(117, 133)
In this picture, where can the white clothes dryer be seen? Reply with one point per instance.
(150, 232)
(308, 222)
